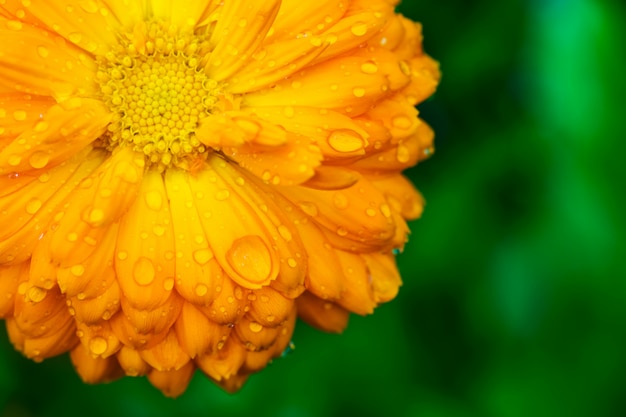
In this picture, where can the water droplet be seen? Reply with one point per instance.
(95, 216)
(346, 140)
(284, 232)
(168, 284)
(143, 271)
(341, 231)
(250, 257)
(36, 294)
(370, 212)
(202, 256)
(122, 255)
(19, 115)
(89, 6)
(39, 159)
(33, 206)
(340, 200)
(384, 208)
(396, 251)
(14, 160)
(77, 270)
(358, 92)
(98, 345)
(359, 29)
(255, 327)
(158, 230)
(41, 126)
(369, 67)
(153, 200)
(290, 348)
(42, 51)
(402, 154)
(292, 262)
(222, 195)
(401, 122)
(201, 290)
(75, 37)
(288, 111)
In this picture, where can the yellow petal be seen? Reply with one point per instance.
(36, 61)
(59, 134)
(401, 194)
(240, 29)
(154, 321)
(88, 24)
(269, 308)
(254, 336)
(183, 15)
(19, 112)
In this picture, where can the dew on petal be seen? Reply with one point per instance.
(98, 345)
(346, 140)
(36, 294)
(33, 206)
(143, 271)
(359, 29)
(250, 258)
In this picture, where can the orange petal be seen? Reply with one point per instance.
(229, 303)
(19, 112)
(145, 258)
(93, 370)
(296, 18)
(321, 314)
(384, 275)
(329, 177)
(174, 382)
(254, 336)
(60, 133)
(269, 308)
(353, 218)
(335, 134)
(358, 295)
(167, 355)
(100, 200)
(38, 62)
(10, 275)
(223, 363)
(197, 334)
(240, 29)
(341, 84)
(288, 164)
(157, 320)
(402, 195)
(131, 362)
(30, 210)
(99, 340)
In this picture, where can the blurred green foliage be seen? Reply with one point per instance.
(514, 302)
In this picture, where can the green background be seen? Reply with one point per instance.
(514, 301)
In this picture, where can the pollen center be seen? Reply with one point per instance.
(154, 84)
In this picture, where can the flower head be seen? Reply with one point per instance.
(180, 181)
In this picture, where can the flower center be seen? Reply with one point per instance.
(154, 84)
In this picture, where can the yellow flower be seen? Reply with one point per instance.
(180, 180)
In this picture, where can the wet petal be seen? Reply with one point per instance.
(36, 61)
(240, 29)
(88, 23)
(322, 314)
(59, 134)
(92, 369)
(172, 383)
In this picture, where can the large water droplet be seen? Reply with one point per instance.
(153, 200)
(98, 345)
(250, 258)
(255, 327)
(345, 140)
(143, 271)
